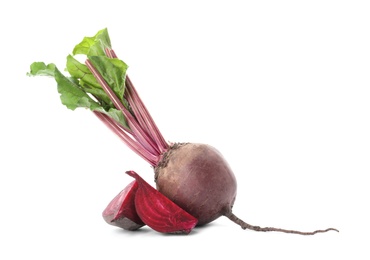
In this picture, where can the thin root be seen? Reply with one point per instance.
(244, 225)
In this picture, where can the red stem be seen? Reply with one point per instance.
(141, 112)
(136, 111)
(150, 124)
(140, 134)
(135, 146)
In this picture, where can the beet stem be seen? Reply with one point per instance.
(140, 134)
(244, 225)
(141, 112)
(150, 123)
(131, 143)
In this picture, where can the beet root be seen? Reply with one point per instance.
(121, 211)
(198, 179)
(158, 212)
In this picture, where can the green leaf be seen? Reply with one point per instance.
(81, 71)
(117, 115)
(113, 72)
(82, 89)
(95, 45)
(71, 94)
(87, 80)
(41, 69)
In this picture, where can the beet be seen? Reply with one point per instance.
(159, 212)
(195, 184)
(197, 178)
(121, 211)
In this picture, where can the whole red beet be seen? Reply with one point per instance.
(198, 179)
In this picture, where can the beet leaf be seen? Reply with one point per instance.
(94, 46)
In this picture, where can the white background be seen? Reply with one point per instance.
(281, 88)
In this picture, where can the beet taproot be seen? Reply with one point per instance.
(197, 178)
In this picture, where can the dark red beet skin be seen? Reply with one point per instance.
(198, 179)
(121, 210)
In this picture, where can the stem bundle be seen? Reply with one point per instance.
(143, 137)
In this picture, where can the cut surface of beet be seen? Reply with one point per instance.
(158, 212)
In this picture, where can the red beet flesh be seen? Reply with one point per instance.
(198, 179)
(158, 212)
